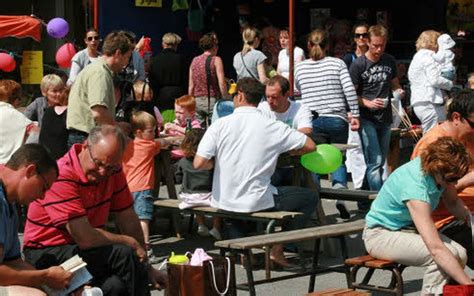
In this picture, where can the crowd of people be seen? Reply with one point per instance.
(100, 130)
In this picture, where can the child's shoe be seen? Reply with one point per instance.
(215, 234)
(203, 230)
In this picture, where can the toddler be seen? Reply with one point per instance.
(445, 56)
(196, 189)
(143, 92)
(185, 110)
(138, 166)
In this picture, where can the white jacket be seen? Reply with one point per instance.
(425, 78)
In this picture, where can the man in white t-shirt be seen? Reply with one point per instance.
(278, 106)
(243, 148)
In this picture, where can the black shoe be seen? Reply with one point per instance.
(343, 212)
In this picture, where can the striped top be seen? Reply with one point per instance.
(326, 87)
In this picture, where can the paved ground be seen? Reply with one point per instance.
(164, 243)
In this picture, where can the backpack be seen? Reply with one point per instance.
(126, 108)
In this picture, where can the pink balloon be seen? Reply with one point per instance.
(65, 54)
(7, 62)
(57, 28)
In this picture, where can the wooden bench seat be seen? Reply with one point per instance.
(267, 217)
(338, 292)
(372, 264)
(246, 244)
(347, 194)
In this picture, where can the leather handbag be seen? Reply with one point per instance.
(458, 290)
(215, 278)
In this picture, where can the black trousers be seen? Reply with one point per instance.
(115, 268)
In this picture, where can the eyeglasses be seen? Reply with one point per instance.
(363, 35)
(471, 123)
(100, 166)
(45, 183)
(90, 38)
(452, 179)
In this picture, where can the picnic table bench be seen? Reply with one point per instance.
(347, 194)
(270, 218)
(245, 245)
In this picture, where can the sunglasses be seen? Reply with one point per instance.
(90, 38)
(363, 35)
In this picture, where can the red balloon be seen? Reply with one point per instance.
(7, 62)
(65, 54)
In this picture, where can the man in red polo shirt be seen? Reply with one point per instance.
(70, 219)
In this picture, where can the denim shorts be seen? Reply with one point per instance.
(143, 204)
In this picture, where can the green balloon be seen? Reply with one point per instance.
(326, 159)
(168, 116)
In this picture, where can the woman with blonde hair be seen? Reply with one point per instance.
(250, 61)
(426, 82)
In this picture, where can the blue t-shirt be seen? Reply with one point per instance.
(8, 228)
(406, 183)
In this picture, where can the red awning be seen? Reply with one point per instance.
(20, 27)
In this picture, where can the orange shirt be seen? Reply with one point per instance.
(139, 164)
(441, 215)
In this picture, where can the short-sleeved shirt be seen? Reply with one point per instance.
(408, 182)
(373, 80)
(72, 197)
(284, 60)
(297, 116)
(8, 228)
(441, 215)
(245, 146)
(252, 59)
(139, 164)
(13, 126)
(93, 87)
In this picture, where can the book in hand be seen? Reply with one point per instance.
(80, 277)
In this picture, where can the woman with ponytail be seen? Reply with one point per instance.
(327, 89)
(250, 61)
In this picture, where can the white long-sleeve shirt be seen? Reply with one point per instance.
(425, 78)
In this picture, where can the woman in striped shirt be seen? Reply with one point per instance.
(326, 88)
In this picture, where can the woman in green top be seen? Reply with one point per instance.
(407, 198)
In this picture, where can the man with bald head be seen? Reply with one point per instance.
(70, 219)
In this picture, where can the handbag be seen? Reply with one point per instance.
(215, 278)
(458, 290)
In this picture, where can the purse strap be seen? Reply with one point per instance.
(214, 277)
(248, 71)
(208, 79)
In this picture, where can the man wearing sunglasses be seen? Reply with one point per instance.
(25, 177)
(460, 126)
(86, 56)
(71, 219)
(92, 98)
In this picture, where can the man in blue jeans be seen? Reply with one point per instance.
(375, 76)
(243, 149)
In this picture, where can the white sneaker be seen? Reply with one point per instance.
(94, 291)
(203, 230)
(215, 234)
(152, 259)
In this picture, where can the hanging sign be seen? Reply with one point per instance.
(31, 68)
(148, 3)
